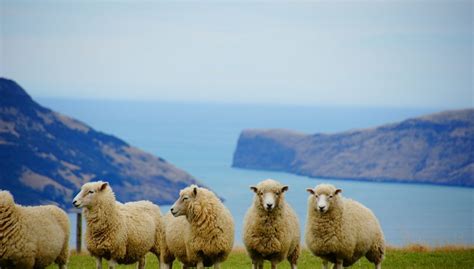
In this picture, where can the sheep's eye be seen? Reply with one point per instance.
(260, 193)
(330, 196)
(278, 193)
(185, 198)
(91, 192)
(316, 196)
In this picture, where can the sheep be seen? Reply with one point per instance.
(341, 230)
(172, 241)
(32, 236)
(271, 227)
(209, 229)
(119, 233)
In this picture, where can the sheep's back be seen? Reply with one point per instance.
(141, 221)
(47, 230)
(175, 228)
(361, 224)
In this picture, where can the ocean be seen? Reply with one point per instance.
(201, 138)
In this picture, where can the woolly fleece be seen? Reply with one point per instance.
(347, 231)
(120, 232)
(32, 236)
(209, 233)
(271, 235)
(172, 240)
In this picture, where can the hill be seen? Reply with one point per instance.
(437, 149)
(45, 157)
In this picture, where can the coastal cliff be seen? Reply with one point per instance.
(436, 149)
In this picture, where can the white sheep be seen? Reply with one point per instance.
(341, 230)
(119, 233)
(32, 236)
(271, 227)
(172, 241)
(209, 233)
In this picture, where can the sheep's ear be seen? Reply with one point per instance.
(254, 189)
(195, 191)
(311, 191)
(337, 191)
(284, 188)
(103, 186)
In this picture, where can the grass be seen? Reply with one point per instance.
(409, 257)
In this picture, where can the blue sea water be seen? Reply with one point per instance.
(201, 139)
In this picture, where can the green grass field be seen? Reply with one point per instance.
(416, 257)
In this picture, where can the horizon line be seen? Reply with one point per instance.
(246, 103)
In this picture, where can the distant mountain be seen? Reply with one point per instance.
(437, 149)
(45, 157)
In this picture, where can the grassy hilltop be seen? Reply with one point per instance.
(411, 257)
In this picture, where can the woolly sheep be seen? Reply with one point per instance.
(119, 233)
(172, 241)
(341, 230)
(209, 230)
(271, 227)
(32, 236)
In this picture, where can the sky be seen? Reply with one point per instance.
(357, 53)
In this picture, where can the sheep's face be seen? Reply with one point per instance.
(269, 195)
(6, 199)
(186, 196)
(323, 197)
(89, 194)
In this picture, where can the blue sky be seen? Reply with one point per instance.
(359, 53)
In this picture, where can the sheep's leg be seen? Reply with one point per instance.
(141, 263)
(254, 264)
(217, 265)
(257, 264)
(61, 266)
(325, 264)
(378, 265)
(200, 265)
(338, 264)
(98, 262)
(112, 264)
(166, 265)
(274, 265)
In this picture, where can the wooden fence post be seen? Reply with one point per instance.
(79, 232)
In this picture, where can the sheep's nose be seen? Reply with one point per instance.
(269, 205)
(74, 202)
(321, 208)
(172, 210)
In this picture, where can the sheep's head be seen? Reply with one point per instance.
(323, 197)
(269, 194)
(6, 199)
(90, 193)
(186, 196)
